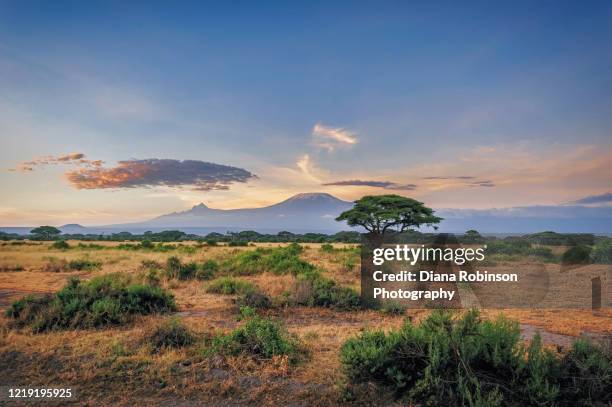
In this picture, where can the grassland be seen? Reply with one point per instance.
(118, 364)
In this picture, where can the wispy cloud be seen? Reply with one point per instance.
(374, 184)
(307, 167)
(450, 177)
(482, 184)
(595, 199)
(198, 175)
(330, 138)
(71, 158)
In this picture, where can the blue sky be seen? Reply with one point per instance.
(514, 95)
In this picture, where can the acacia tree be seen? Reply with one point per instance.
(46, 232)
(381, 213)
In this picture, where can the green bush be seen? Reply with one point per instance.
(170, 334)
(510, 249)
(586, 375)
(280, 260)
(104, 300)
(577, 255)
(90, 246)
(286, 260)
(61, 245)
(314, 290)
(212, 242)
(245, 263)
(187, 271)
(173, 266)
(467, 361)
(207, 270)
(543, 253)
(602, 252)
(177, 269)
(260, 337)
(146, 244)
(393, 308)
(84, 264)
(230, 286)
(327, 248)
(238, 243)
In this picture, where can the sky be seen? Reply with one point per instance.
(121, 111)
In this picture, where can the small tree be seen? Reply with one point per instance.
(46, 232)
(378, 214)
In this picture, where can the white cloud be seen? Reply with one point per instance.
(330, 138)
(307, 167)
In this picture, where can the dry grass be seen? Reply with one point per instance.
(114, 366)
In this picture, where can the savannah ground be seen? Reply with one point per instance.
(116, 365)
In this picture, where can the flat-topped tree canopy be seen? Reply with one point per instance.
(381, 213)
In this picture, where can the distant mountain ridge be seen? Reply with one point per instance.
(303, 212)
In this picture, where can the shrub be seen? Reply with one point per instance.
(84, 264)
(602, 252)
(246, 263)
(577, 255)
(543, 253)
(146, 244)
(254, 299)
(187, 271)
(259, 337)
(327, 248)
(230, 286)
(509, 247)
(90, 246)
(207, 270)
(152, 277)
(61, 245)
(348, 263)
(281, 260)
(466, 361)
(170, 334)
(104, 300)
(393, 308)
(586, 376)
(314, 290)
(238, 243)
(173, 266)
(212, 242)
(286, 260)
(163, 248)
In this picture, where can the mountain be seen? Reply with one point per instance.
(309, 212)
(73, 228)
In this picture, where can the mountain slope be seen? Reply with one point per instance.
(302, 212)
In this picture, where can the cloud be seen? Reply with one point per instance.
(330, 138)
(481, 184)
(453, 177)
(307, 167)
(374, 184)
(454, 180)
(199, 175)
(595, 199)
(71, 158)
